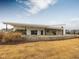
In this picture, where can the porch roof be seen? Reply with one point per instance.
(34, 25)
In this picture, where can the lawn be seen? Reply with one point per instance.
(63, 49)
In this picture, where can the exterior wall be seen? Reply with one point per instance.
(28, 30)
(59, 32)
(54, 32)
(50, 32)
(45, 32)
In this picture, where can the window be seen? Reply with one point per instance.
(41, 32)
(33, 32)
(54, 33)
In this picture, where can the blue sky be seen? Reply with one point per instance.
(41, 12)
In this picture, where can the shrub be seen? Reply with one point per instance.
(15, 36)
(10, 36)
(1, 35)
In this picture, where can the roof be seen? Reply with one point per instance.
(34, 25)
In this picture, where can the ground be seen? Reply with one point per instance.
(63, 49)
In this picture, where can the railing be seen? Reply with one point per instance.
(47, 38)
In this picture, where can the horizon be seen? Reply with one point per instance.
(50, 12)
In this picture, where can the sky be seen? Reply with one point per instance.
(50, 12)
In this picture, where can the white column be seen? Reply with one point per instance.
(63, 31)
(38, 32)
(43, 32)
(28, 32)
(57, 32)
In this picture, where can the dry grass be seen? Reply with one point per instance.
(64, 49)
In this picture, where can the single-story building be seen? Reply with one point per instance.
(36, 29)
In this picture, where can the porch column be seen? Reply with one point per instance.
(38, 32)
(57, 32)
(44, 32)
(28, 32)
(63, 31)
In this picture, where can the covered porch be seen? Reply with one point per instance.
(35, 29)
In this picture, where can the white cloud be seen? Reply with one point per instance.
(34, 6)
(73, 23)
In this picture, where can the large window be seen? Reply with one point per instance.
(33, 32)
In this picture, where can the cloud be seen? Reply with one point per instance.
(73, 23)
(35, 6)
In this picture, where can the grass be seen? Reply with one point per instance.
(64, 49)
